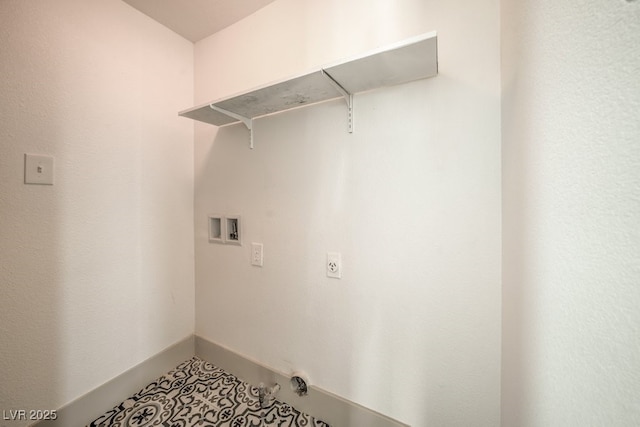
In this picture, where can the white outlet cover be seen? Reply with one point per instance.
(38, 169)
(334, 265)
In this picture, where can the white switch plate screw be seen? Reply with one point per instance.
(257, 257)
(334, 265)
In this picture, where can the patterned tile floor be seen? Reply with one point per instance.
(197, 393)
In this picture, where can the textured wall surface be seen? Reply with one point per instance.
(96, 271)
(411, 200)
(571, 197)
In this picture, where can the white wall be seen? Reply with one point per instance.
(96, 270)
(411, 200)
(571, 168)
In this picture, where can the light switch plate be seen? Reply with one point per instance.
(38, 169)
(257, 255)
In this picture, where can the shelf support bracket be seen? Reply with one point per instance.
(245, 120)
(348, 97)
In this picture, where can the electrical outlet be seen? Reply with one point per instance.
(257, 257)
(334, 265)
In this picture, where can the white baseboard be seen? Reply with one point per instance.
(321, 404)
(87, 408)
